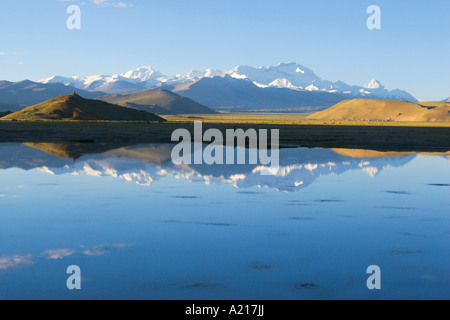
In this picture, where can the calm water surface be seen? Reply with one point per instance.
(140, 227)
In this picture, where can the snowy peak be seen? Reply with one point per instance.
(290, 72)
(191, 76)
(194, 74)
(142, 74)
(281, 83)
(130, 81)
(210, 73)
(55, 79)
(197, 74)
(374, 84)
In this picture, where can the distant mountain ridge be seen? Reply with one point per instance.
(242, 94)
(130, 81)
(15, 96)
(289, 75)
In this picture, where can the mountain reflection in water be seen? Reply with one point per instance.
(140, 227)
(146, 164)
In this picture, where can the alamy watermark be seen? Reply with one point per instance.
(74, 280)
(374, 281)
(220, 150)
(73, 22)
(374, 20)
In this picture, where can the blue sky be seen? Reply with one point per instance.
(175, 36)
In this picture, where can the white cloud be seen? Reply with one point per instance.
(123, 5)
(58, 253)
(102, 249)
(9, 262)
(120, 4)
(16, 260)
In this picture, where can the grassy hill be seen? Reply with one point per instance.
(158, 101)
(385, 110)
(74, 107)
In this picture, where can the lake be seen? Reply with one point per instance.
(140, 227)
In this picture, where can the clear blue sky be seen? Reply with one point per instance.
(411, 51)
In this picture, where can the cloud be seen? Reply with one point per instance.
(9, 262)
(58, 253)
(106, 3)
(16, 260)
(2, 53)
(102, 249)
(123, 5)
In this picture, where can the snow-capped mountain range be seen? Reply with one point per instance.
(289, 75)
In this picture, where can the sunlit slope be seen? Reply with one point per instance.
(362, 153)
(385, 110)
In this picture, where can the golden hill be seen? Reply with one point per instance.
(385, 110)
(74, 107)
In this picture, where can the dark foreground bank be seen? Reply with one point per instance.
(381, 138)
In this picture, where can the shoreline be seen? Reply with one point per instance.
(373, 137)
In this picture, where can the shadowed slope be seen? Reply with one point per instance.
(148, 153)
(74, 150)
(158, 101)
(385, 110)
(5, 113)
(74, 107)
